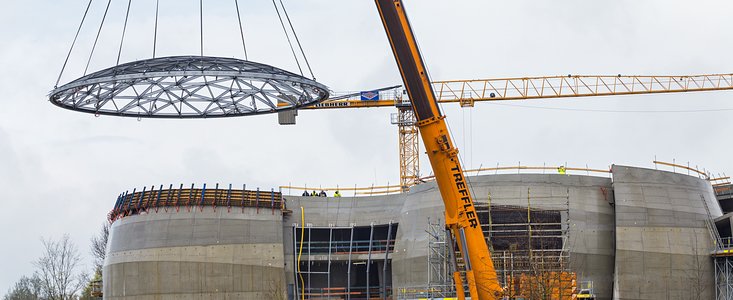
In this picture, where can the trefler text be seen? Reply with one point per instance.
(465, 196)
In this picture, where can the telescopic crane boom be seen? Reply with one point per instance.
(461, 217)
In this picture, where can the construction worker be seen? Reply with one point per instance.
(561, 170)
(305, 193)
(337, 194)
(322, 194)
(314, 194)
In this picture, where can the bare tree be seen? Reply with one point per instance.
(57, 269)
(99, 248)
(27, 288)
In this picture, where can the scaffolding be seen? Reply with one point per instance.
(722, 254)
(343, 262)
(529, 246)
(440, 281)
(723, 277)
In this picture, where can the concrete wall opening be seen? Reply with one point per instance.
(344, 262)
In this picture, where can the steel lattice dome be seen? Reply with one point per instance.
(188, 87)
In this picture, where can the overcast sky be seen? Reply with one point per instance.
(61, 171)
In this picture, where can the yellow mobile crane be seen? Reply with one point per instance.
(461, 217)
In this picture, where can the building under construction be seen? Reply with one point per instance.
(635, 234)
(638, 234)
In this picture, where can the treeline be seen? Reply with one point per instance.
(59, 273)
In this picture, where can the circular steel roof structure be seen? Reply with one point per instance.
(188, 87)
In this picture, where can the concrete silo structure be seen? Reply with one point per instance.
(642, 234)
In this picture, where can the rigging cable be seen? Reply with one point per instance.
(73, 43)
(297, 40)
(97, 38)
(287, 36)
(155, 33)
(124, 29)
(241, 30)
(201, 24)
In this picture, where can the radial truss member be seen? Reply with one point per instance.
(189, 87)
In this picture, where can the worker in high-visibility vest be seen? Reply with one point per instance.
(561, 170)
(337, 194)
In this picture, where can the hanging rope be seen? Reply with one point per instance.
(241, 30)
(287, 36)
(297, 40)
(201, 22)
(97, 38)
(124, 29)
(155, 33)
(73, 43)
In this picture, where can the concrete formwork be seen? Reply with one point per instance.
(662, 243)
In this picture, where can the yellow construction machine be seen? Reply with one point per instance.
(461, 216)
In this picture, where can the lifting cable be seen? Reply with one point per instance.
(73, 43)
(201, 24)
(155, 32)
(297, 40)
(241, 30)
(124, 29)
(97, 38)
(287, 36)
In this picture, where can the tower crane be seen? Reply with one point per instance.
(469, 92)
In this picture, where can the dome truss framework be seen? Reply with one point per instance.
(189, 87)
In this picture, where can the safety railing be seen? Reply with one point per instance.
(690, 170)
(190, 198)
(727, 243)
(719, 182)
(396, 189)
(520, 168)
(723, 190)
(352, 191)
(354, 292)
(725, 248)
(426, 292)
(346, 247)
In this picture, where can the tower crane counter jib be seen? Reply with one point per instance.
(461, 216)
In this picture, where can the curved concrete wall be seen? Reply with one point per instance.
(641, 236)
(196, 255)
(590, 241)
(663, 245)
